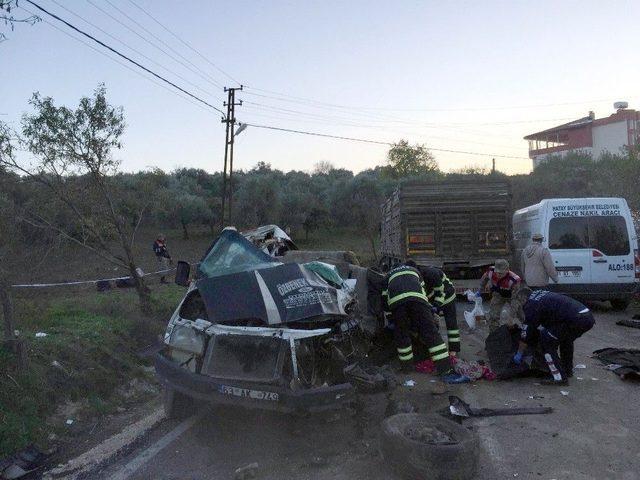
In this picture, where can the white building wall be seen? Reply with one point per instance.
(609, 138)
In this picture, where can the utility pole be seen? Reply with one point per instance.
(493, 165)
(230, 121)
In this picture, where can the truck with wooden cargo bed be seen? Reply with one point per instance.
(460, 226)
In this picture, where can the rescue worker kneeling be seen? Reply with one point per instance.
(552, 321)
(442, 295)
(411, 312)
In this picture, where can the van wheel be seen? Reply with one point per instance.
(176, 405)
(620, 304)
(416, 446)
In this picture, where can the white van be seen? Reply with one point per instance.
(593, 244)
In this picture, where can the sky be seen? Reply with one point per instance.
(467, 76)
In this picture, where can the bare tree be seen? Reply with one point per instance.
(6, 16)
(75, 165)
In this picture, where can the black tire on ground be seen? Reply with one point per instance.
(619, 304)
(412, 459)
(176, 405)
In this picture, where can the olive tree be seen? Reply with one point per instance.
(74, 163)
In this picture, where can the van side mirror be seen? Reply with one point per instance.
(183, 272)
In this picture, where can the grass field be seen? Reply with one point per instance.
(91, 348)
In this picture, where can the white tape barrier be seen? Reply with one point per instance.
(89, 282)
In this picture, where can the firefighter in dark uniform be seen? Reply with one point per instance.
(442, 295)
(552, 321)
(404, 296)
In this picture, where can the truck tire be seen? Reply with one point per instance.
(177, 405)
(455, 456)
(619, 304)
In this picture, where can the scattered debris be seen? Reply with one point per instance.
(409, 383)
(579, 378)
(580, 366)
(624, 362)
(594, 379)
(564, 393)
(535, 397)
(246, 472)
(459, 408)
(69, 421)
(369, 379)
(629, 323)
(41, 334)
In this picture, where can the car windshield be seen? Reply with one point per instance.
(232, 253)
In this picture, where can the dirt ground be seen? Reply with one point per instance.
(588, 436)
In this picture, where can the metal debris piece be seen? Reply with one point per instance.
(459, 408)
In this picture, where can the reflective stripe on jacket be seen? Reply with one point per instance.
(403, 284)
(437, 286)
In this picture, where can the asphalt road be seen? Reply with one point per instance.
(592, 434)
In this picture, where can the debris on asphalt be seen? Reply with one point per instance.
(594, 379)
(367, 378)
(69, 421)
(580, 365)
(579, 378)
(459, 408)
(246, 472)
(535, 397)
(624, 362)
(564, 393)
(409, 383)
(629, 323)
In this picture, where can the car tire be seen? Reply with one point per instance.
(176, 405)
(412, 459)
(619, 304)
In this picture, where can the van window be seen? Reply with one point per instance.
(567, 233)
(607, 234)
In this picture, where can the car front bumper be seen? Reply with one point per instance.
(251, 394)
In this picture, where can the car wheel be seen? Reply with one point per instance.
(417, 446)
(176, 405)
(620, 304)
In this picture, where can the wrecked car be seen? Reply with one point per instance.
(271, 239)
(254, 331)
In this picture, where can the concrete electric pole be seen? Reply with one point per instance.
(230, 120)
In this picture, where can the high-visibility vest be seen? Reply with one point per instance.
(403, 284)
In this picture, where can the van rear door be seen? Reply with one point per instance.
(611, 251)
(569, 245)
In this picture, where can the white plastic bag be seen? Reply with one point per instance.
(477, 313)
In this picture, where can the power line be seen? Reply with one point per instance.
(188, 45)
(133, 49)
(158, 76)
(377, 142)
(284, 97)
(184, 63)
(153, 35)
(128, 67)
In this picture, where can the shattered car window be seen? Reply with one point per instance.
(232, 253)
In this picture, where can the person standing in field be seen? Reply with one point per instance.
(537, 264)
(162, 255)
